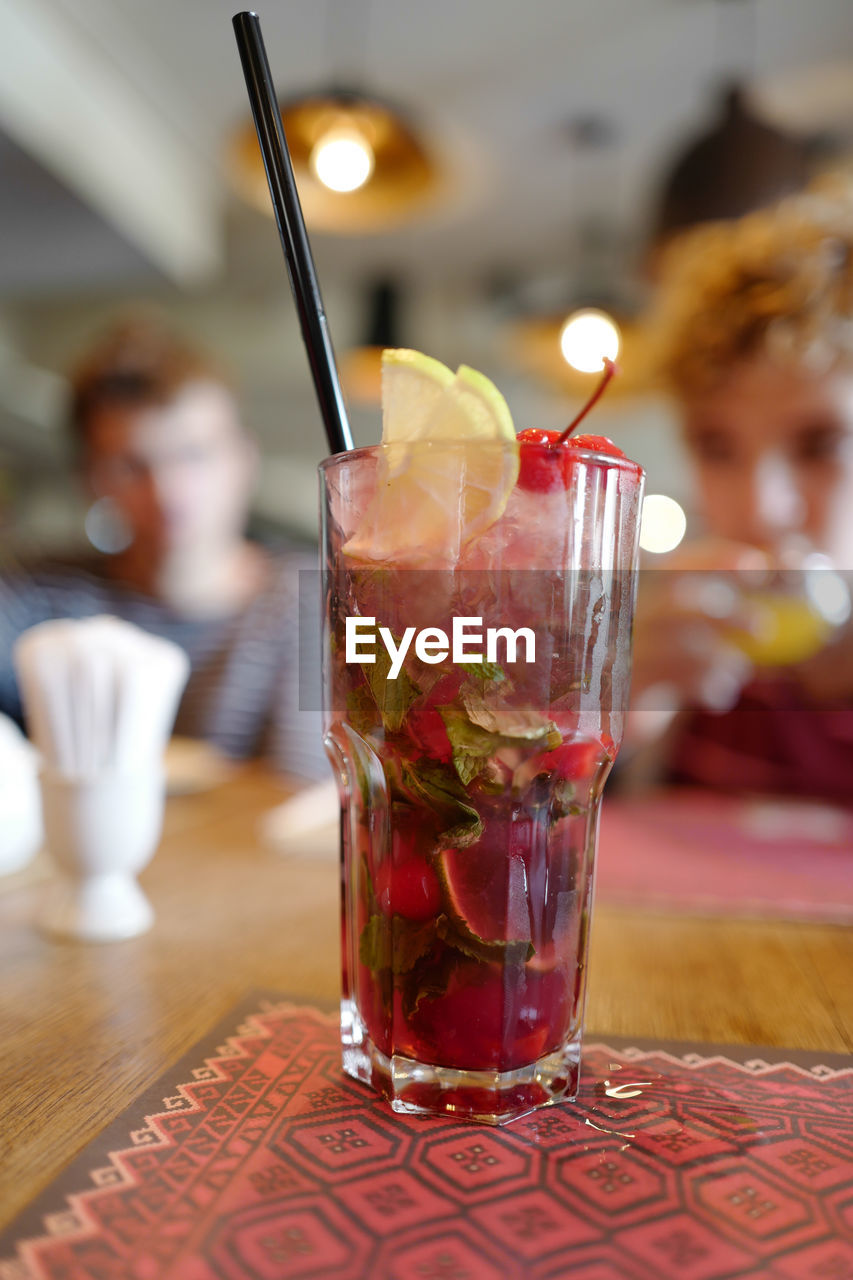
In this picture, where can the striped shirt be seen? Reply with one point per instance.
(245, 694)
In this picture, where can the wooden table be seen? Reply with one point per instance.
(83, 1029)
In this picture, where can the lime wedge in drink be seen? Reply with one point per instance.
(413, 387)
(486, 898)
(448, 467)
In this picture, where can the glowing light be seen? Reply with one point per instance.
(828, 594)
(106, 528)
(342, 160)
(587, 339)
(662, 525)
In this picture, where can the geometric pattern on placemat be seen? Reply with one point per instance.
(266, 1163)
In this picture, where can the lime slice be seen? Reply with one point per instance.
(484, 895)
(412, 387)
(472, 409)
(448, 468)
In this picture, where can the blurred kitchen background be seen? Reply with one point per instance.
(527, 160)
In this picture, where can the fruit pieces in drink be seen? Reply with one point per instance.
(547, 457)
(546, 464)
(467, 951)
(430, 503)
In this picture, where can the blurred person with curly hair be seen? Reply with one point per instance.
(163, 452)
(754, 337)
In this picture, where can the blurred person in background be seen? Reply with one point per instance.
(170, 468)
(755, 326)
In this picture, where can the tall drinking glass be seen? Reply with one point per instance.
(477, 666)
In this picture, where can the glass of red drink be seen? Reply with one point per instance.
(471, 777)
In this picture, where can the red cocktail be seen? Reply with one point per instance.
(471, 761)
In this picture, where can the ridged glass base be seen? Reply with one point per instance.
(488, 1097)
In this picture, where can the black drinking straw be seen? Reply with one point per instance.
(291, 229)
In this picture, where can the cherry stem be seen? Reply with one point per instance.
(610, 371)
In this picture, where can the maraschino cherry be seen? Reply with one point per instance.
(542, 469)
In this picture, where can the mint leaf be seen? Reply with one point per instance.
(464, 833)
(368, 893)
(441, 790)
(485, 671)
(545, 795)
(392, 697)
(472, 746)
(411, 941)
(396, 944)
(484, 676)
(465, 735)
(563, 803)
(489, 711)
(361, 710)
(429, 979)
(360, 757)
(374, 945)
(456, 935)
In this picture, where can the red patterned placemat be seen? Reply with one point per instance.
(256, 1159)
(696, 851)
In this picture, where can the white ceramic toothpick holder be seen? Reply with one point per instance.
(101, 832)
(20, 803)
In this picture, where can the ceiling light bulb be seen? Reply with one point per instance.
(662, 524)
(342, 160)
(587, 339)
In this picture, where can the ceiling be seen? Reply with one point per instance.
(50, 239)
(114, 114)
(113, 119)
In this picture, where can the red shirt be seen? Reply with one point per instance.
(773, 740)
